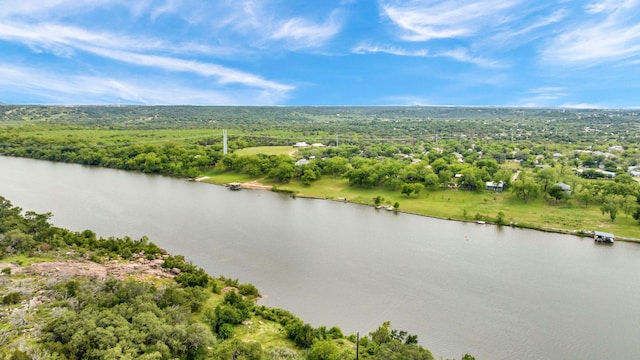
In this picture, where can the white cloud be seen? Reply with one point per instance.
(438, 19)
(224, 74)
(459, 54)
(51, 36)
(591, 44)
(65, 88)
(463, 55)
(606, 6)
(544, 96)
(55, 9)
(367, 48)
(608, 31)
(302, 33)
(65, 40)
(553, 18)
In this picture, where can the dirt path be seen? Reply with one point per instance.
(515, 176)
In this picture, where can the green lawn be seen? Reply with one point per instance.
(267, 150)
(462, 205)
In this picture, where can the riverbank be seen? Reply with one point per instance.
(492, 208)
(62, 283)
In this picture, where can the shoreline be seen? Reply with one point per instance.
(254, 185)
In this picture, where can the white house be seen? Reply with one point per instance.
(490, 185)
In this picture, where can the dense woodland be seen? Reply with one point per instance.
(192, 316)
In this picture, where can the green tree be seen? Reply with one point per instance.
(335, 166)
(610, 206)
(408, 189)
(283, 172)
(546, 177)
(525, 189)
(378, 200)
(308, 176)
(557, 193)
(324, 350)
(238, 350)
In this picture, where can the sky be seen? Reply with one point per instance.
(560, 53)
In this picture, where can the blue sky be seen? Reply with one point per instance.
(559, 53)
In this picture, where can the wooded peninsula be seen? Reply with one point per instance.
(72, 295)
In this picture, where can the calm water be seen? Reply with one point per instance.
(494, 293)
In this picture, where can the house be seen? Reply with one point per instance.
(492, 186)
(565, 187)
(300, 144)
(608, 174)
(302, 162)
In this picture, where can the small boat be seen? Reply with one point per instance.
(234, 186)
(603, 237)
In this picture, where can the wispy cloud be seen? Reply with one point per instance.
(609, 31)
(65, 40)
(55, 9)
(542, 22)
(224, 74)
(462, 55)
(301, 33)
(57, 88)
(368, 49)
(458, 54)
(51, 36)
(438, 19)
(546, 96)
(606, 6)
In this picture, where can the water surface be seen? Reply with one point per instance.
(497, 293)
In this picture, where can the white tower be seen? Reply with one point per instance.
(224, 142)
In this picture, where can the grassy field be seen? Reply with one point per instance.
(461, 205)
(267, 150)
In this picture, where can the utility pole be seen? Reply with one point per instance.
(357, 344)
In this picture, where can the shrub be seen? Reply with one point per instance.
(225, 331)
(248, 290)
(12, 298)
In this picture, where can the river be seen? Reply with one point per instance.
(496, 293)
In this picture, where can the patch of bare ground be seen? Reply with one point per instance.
(254, 185)
(138, 268)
